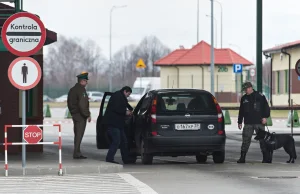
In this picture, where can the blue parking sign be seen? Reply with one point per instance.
(299, 78)
(237, 68)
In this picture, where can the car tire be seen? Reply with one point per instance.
(201, 158)
(146, 158)
(219, 157)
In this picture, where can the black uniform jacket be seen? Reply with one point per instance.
(115, 113)
(253, 108)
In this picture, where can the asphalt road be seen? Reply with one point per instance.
(183, 175)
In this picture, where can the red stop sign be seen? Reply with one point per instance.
(33, 134)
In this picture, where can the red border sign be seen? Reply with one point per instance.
(12, 81)
(21, 53)
(297, 67)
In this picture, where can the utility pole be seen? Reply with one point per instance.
(212, 54)
(259, 8)
(110, 36)
(221, 22)
(197, 21)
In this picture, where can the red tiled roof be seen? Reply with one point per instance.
(282, 46)
(200, 55)
(171, 57)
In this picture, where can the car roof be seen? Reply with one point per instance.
(179, 90)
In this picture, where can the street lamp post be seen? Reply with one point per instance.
(212, 52)
(110, 36)
(221, 22)
(236, 83)
(216, 30)
(197, 21)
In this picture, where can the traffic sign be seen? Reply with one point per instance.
(24, 73)
(33, 134)
(23, 34)
(237, 68)
(140, 64)
(252, 72)
(297, 68)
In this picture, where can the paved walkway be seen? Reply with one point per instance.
(94, 183)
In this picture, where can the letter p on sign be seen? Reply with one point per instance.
(237, 68)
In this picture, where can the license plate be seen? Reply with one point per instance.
(195, 126)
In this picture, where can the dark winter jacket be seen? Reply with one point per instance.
(253, 108)
(115, 113)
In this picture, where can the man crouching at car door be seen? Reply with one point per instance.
(114, 119)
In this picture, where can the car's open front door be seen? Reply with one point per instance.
(101, 135)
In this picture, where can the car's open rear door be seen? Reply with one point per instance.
(101, 135)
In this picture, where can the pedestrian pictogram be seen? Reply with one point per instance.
(33, 134)
(23, 34)
(140, 64)
(24, 73)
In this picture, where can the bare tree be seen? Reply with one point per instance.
(67, 58)
(151, 49)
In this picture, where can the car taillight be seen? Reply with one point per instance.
(153, 110)
(219, 110)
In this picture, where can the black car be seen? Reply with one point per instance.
(172, 122)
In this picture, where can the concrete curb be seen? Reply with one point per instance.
(68, 170)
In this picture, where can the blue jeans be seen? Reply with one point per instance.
(118, 140)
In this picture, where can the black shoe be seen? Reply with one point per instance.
(242, 158)
(79, 157)
(113, 162)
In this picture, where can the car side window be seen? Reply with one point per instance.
(146, 103)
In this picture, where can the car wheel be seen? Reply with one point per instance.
(219, 157)
(146, 158)
(201, 158)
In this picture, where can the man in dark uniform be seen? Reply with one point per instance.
(78, 105)
(114, 119)
(254, 110)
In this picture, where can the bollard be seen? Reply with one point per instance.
(294, 118)
(46, 111)
(67, 114)
(269, 121)
(227, 117)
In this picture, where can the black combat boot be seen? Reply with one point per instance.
(242, 158)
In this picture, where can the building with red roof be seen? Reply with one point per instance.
(285, 82)
(190, 68)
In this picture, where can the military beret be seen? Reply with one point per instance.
(83, 75)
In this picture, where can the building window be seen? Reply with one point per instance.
(286, 81)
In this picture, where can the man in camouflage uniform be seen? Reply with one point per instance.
(254, 110)
(78, 105)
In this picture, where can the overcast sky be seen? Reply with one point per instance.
(174, 22)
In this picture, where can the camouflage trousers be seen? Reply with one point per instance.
(248, 131)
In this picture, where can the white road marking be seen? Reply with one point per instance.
(140, 186)
(108, 183)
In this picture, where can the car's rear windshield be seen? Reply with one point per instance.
(185, 102)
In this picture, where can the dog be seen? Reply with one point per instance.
(275, 141)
